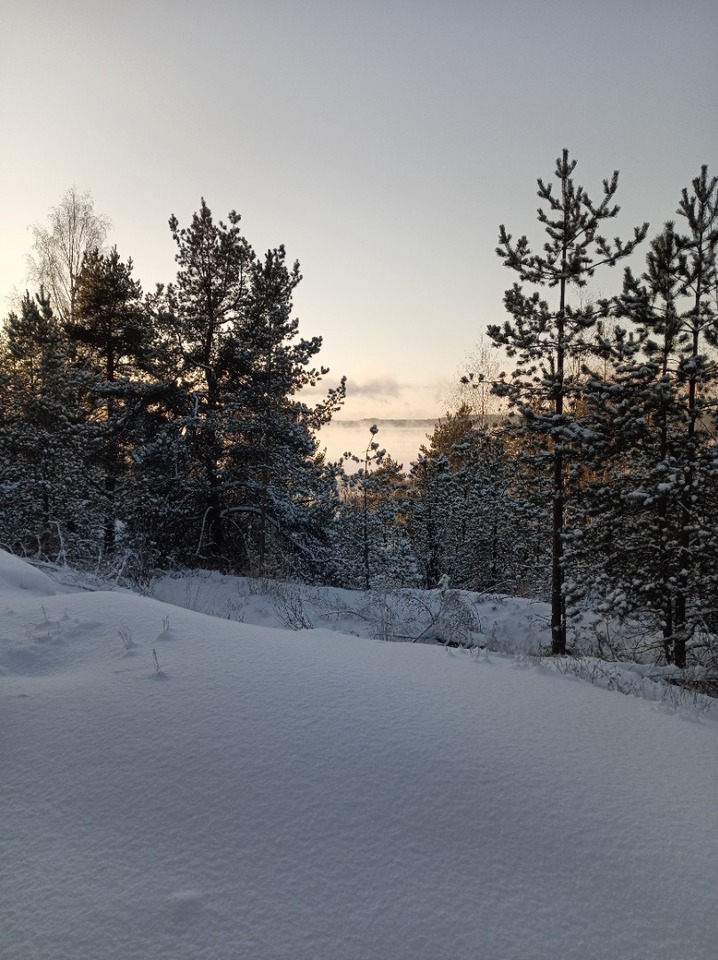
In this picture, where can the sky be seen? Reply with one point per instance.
(382, 142)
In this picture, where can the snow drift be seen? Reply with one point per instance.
(247, 792)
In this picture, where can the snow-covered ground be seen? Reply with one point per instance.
(180, 785)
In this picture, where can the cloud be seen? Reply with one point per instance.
(379, 393)
(385, 386)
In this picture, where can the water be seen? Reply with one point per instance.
(400, 438)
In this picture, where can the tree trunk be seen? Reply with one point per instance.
(558, 606)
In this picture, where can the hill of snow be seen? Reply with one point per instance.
(186, 786)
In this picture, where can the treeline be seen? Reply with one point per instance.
(168, 429)
(151, 431)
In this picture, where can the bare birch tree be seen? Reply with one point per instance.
(73, 229)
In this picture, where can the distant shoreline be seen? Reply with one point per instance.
(401, 438)
(398, 422)
(395, 422)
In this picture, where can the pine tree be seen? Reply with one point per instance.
(652, 529)
(370, 541)
(440, 492)
(113, 337)
(197, 316)
(547, 340)
(429, 519)
(255, 475)
(45, 506)
(466, 516)
(699, 329)
(273, 467)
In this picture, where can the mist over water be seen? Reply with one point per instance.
(400, 438)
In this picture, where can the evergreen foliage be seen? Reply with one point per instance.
(370, 541)
(547, 340)
(112, 339)
(143, 432)
(45, 496)
(252, 472)
(652, 526)
(467, 517)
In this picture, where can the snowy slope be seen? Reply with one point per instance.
(273, 794)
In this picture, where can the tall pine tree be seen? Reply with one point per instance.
(112, 336)
(227, 323)
(651, 532)
(546, 339)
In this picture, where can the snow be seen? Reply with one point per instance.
(313, 794)
(16, 575)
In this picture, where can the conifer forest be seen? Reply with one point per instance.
(150, 431)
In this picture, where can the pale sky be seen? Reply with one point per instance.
(382, 142)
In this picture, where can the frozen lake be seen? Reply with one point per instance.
(400, 438)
